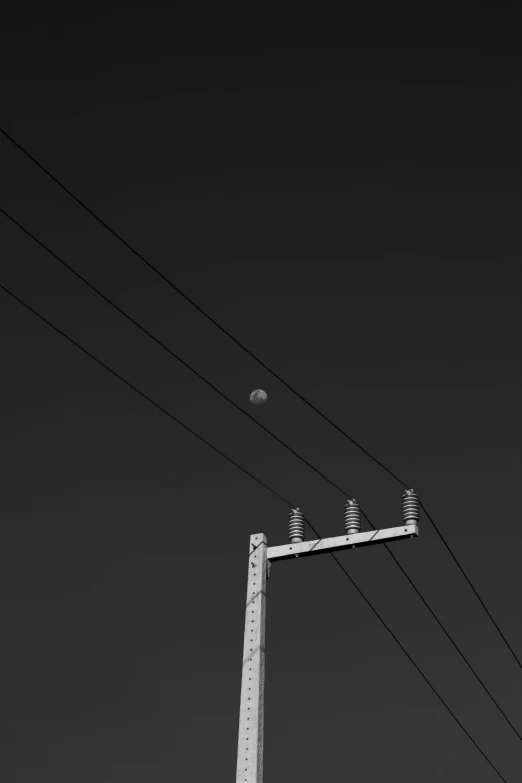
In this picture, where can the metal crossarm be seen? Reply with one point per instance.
(307, 548)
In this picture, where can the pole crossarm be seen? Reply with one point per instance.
(317, 547)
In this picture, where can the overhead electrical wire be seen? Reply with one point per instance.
(261, 483)
(276, 375)
(174, 355)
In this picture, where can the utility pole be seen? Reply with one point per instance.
(251, 712)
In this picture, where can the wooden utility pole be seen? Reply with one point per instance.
(251, 715)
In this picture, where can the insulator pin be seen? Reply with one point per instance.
(410, 507)
(296, 526)
(352, 517)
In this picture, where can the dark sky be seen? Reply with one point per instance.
(344, 199)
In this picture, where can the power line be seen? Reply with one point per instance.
(165, 347)
(262, 364)
(418, 669)
(142, 394)
(261, 483)
(269, 432)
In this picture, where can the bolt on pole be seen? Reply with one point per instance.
(251, 712)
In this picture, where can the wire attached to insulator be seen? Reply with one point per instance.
(352, 517)
(410, 507)
(296, 526)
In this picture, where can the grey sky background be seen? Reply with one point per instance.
(345, 200)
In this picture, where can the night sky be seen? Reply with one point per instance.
(345, 200)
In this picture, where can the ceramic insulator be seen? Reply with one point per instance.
(352, 517)
(410, 507)
(296, 526)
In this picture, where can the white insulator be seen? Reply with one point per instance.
(352, 517)
(410, 507)
(296, 526)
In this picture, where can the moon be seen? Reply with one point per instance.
(258, 397)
